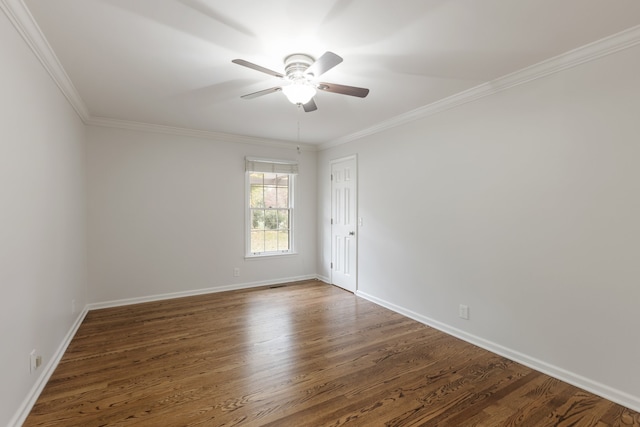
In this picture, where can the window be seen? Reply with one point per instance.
(270, 196)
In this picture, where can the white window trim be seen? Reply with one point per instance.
(280, 166)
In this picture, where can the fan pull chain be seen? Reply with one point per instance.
(298, 136)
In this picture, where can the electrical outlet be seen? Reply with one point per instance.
(34, 361)
(236, 272)
(463, 311)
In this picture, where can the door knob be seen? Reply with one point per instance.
(352, 233)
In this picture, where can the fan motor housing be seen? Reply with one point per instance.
(295, 65)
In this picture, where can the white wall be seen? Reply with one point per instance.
(524, 205)
(166, 215)
(42, 219)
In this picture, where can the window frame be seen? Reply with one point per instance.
(291, 209)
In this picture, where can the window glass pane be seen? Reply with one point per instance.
(270, 195)
(282, 180)
(270, 179)
(257, 219)
(271, 219)
(270, 241)
(283, 197)
(257, 241)
(256, 178)
(257, 197)
(283, 240)
(283, 219)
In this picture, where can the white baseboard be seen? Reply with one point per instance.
(625, 399)
(602, 390)
(225, 288)
(30, 400)
(323, 279)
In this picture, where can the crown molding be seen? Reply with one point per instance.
(23, 21)
(25, 24)
(573, 58)
(195, 133)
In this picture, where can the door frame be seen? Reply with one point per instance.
(353, 157)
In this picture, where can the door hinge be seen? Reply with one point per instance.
(332, 266)
(331, 177)
(331, 221)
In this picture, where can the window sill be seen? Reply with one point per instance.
(271, 255)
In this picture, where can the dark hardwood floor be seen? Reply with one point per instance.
(306, 354)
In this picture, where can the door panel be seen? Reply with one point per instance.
(343, 226)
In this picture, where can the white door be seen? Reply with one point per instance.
(343, 223)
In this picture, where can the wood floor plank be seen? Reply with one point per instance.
(304, 354)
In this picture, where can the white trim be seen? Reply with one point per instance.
(267, 255)
(353, 157)
(602, 390)
(25, 408)
(254, 164)
(292, 221)
(195, 133)
(31, 397)
(605, 391)
(586, 53)
(25, 24)
(225, 288)
(324, 279)
(22, 19)
(268, 160)
(345, 158)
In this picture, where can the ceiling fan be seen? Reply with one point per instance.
(300, 71)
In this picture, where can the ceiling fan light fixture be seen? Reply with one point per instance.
(299, 92)
(300, 72)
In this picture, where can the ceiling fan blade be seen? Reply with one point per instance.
(261, 92)
(360, 92)
(310, 106)
(323, 64)
(257, 67)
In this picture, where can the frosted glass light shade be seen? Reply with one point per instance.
(299, 93)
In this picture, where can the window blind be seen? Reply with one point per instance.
(270, 166)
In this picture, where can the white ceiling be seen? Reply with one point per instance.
(168, 62)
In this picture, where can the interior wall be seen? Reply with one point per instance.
(42, 219)
(523, 205)
(167, 212)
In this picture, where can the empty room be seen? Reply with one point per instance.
(319, 213)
